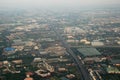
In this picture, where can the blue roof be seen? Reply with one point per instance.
(9, 49)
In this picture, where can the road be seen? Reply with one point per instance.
(84, 73)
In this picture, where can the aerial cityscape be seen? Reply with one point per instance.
(67, 44)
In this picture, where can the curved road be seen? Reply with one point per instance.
(84, 73)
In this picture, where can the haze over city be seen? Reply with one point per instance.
(58, 3)
(60, 39)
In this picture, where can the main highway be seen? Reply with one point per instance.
(84, 73)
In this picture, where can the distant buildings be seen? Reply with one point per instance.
(73, 30)
(31, 44)
(97, 43)
(57, 50)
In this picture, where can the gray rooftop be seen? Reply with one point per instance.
(89, 51)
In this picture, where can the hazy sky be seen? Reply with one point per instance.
(16, 3)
